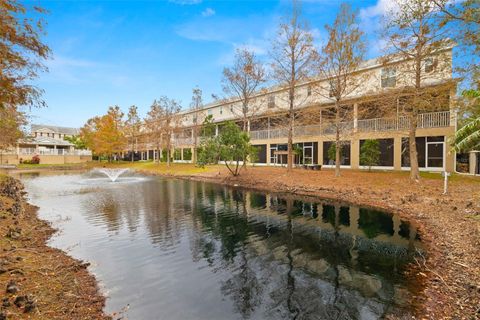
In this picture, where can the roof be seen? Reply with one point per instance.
(45, 141)
(55, 129)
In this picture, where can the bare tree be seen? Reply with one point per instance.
(153, 128)
(414, 34)
(340, 57)
(132, 128)
(170, 123)
(198, 117)
(463, 21)
(242, 81)
(293, 56)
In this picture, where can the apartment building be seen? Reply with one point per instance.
(374, 109)
(49, 144)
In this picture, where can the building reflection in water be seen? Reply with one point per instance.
(273, 256)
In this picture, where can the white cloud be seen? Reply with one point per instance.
(208, 12)
(67, 70)
(371, 22)
(381, 8)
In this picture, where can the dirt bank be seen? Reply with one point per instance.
(449, 224)
(37, 281)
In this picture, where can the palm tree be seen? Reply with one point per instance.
(468, 137)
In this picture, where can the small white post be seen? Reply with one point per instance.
(445, 181)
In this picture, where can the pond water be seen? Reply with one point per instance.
(176, 249)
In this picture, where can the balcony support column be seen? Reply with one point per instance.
(397, 153)
(268, 154)
(320, 152)
(355, 153)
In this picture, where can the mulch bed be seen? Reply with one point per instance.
(37, 281)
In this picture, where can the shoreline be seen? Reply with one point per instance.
(38, 281)
(448, 224)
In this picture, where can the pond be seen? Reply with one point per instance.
(178, 249)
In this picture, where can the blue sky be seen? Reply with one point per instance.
(131, 52)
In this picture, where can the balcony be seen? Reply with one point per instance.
(184, 141)
(439, 119)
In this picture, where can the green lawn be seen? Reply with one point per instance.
(190, 169)
(43, 165)
(160, 168)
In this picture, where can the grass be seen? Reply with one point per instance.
(43, 165)
(159, 168)
(190, 169)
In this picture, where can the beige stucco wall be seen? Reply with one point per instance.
(8, 159)
(355, 138)
(50, 159)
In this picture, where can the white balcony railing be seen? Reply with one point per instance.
(53, 152)
(184, 141)
(426, 120)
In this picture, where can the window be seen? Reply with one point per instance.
(271, 101)
(309, 91)
(177, 154)
(344, 153)
(420, 142)
(210, 112)
(221, 111)
(389, 77)
(261, 153)
(430, 152)
(187, 154)
(430, 65)
(386, 152)
(278, 158)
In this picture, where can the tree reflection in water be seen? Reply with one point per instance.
(273, 256)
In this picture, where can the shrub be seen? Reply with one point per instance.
(232, 145)
(35, 160)
(332, 152)
(370, 153)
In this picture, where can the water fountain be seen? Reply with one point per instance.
(113, 174)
